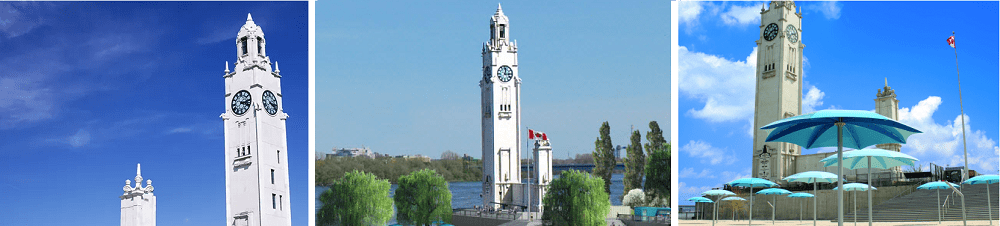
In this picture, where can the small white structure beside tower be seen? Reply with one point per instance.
(138, 203)
(543, 173)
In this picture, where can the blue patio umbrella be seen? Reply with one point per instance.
(701, 199)
(855, 187)
(987, 180)
(715, 208)
(751, 183)
(870, 158)
(734, 199)
(854, 129)
(813, 177)
(776, 192)
(801, 195)
(938, 185)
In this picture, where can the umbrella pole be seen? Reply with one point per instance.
(814, 201)
(750, 219)
(869, 191)
(840, 172)
(989, 204)
(856, 208)
(775, 205)
(939, 205)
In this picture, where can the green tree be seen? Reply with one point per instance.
(422, 198)
(358, 198)
(654, 138)
(576, 198)
(635, 162)
(658, 176)
(604, 156)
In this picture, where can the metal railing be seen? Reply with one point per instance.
(498, 214)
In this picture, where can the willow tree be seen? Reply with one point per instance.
(576, 198)
(422, 198)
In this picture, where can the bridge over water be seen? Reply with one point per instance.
(589, 167)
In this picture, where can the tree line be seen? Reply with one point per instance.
(453, 169)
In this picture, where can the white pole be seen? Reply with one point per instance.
(989, 204)
(939, 205)
(750, 220)
(815, 195)
(965, 174)
(856, 207)
(869, 191)
(840, 171)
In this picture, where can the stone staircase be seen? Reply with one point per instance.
(920, 206)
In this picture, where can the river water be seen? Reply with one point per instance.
(466, 194)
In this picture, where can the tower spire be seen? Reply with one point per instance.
(249, 18)
(886, 81)
(138, 169)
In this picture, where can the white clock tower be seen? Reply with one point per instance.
(501, 115)
(256, 149)
(779, 86)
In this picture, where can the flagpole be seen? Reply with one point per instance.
(965, 175)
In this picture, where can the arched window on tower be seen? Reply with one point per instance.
(493, 31)
(260, 46)
(503, 29)
(243, 45)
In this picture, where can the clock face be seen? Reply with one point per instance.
(486, 74)
(241, 102)
(270, 103)
(770, 31)
(505, 73)
(793, 35)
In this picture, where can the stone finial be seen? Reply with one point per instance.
(762, 6)
(276, 70)
(249, 18)
(138, 170)
(886, 81)
(227, 67)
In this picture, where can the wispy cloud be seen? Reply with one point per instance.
(829, 9)
(741, 15)
(690, 173)
(707, 153)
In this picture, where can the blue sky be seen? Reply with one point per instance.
(91, 89)
(851, 47)
(403, 78)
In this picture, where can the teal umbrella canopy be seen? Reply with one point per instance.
(774, 191)
(718, 193)
(983, 179)
(734, 199)
(801, 195)
(752, 182)
(818, 129)
(700, 199)
(880, 159)
(857, 187)
(812, 177)
(936, 185)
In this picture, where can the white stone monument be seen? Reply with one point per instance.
(138, 203)
(543, 173)
(501, 116)
(256, 147)
(887, 105)
(779, 87)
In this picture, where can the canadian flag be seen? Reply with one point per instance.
(951, 41)
(535, 134)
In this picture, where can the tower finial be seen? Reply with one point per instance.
(762, 6)
(138, 169)
(276, 70)
(499, 9)
(227, 67)
(887, 81)
(249, 18)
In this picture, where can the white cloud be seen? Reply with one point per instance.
(689, 10)
(942, 143)
(81, 138)
(741, 15)
(830, 10)
(722, 84)
(812, 99)
(686, 191)
(690, 173)
(728, 176)
(708, 154)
